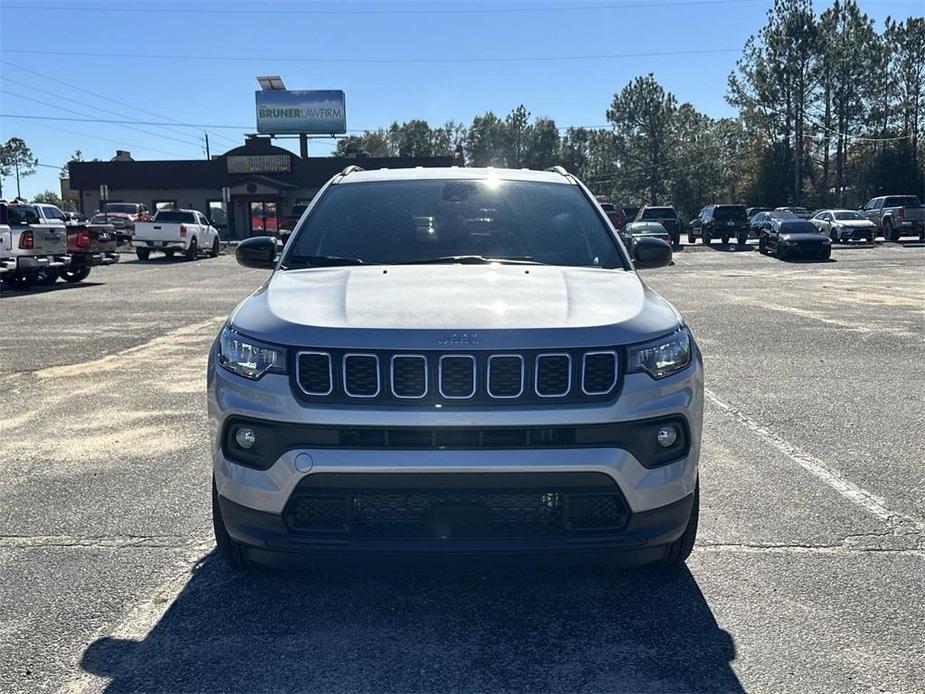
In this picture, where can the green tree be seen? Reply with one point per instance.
(642, 115)
(76, 156)
(486, 141)
(50, 197)
(17, 158)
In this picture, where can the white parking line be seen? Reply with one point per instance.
(900, 523)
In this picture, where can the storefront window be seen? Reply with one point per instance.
(217, 213)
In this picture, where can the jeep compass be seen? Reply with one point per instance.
(454, 361)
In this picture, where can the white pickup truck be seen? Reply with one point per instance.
(186, 231)
(31, 252)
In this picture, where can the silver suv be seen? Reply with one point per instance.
(454, 360)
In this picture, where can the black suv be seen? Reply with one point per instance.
(720, 221)
(666, 216)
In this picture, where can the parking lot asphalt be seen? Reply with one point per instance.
(808, 575)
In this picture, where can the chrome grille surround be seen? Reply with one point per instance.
(345, 370)
(536, 374)
(298, 377)
(395, 358)
(440, 379)
(520, 392)
(584, 372)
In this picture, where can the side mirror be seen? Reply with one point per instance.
(258, 252)
(651, 253)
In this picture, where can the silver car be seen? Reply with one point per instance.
(454, 360)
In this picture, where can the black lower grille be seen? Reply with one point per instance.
(456, 514)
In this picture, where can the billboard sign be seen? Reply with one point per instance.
(317, 112)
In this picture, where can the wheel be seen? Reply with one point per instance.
(230, 550)
(725, 239)
(215, 248)
(833, 237)
(870, 239)
(691, 239)
(706, 238)
(169, 252)
(888, 234)
(779, 251)
(762, 245)
(75, 275)
(742, 238)
(46, 278)
(680, 549)
(826, 253)
(193, 251)
(142, 253)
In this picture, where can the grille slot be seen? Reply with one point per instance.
(457, 376)
(593, 511)
(553, 375)
(599, 372)
(505, 375)
(409, 376)
(315, 374)
(361, 375)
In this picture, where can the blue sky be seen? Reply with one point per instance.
(307, 43)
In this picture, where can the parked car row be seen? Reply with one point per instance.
(37, 247)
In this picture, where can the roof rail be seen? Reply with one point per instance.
(559, 170)
(350, 169)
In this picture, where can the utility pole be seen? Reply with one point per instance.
(208, 155)
(16, 166)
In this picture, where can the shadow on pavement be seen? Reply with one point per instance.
(58, 286)
(427, 628)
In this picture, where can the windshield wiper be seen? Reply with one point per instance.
(319, 261)
(474, 260)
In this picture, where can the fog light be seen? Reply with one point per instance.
(246, 438)
(667, 435)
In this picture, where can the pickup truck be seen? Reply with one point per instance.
(186, 231)
(32, 252)
(89, 245)
(123, 216)
(896, 215)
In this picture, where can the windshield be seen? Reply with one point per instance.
(123, 207)
(393, 222)
(659, 213)
(847, 215)
(782, 214)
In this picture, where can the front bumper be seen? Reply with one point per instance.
(860, 234)
(253, 501)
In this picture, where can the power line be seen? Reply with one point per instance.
(183, 141)
(118, 143)
(101, 96)
(371, 61)
(337, 12)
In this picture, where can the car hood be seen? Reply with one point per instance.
(455, 306)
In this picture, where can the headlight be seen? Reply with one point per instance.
(826, 242)
(788, 242)
(248, 357)
(662, 357)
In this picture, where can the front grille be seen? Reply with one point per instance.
(457, 376)
(361, 375)
(599, 372)
(454, 379)
(445, 514)
(505, 375)
(553, 375)
(409, 376)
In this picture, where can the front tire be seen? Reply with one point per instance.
(230, 550)
(215, 248)
(76, 275)
(143, 254)
(169, 252)
(691, 239)
(706, 237)
(888, 233)
(762, 245)
(779, 252)
(742, 238)
(193, 251)
(725, 240)
(680, 549)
